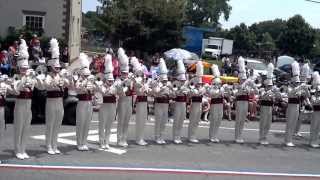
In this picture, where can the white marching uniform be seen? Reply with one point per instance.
(196, 94)
(180, 108)
(315, 121)
(162, 93)
(22, 112)
(107, 114)
(85, 90)
(55, 85)
(292, 113)
(125, 93)
(142, 90)
(216, 93)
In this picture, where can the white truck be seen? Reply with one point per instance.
(215, 47)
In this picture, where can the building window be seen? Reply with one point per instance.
(34, 22)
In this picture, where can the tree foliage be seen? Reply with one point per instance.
(207, 12)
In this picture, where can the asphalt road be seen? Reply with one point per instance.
(205, 160)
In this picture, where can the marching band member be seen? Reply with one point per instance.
(85, 87)
(55, 85)
(142, 90)
(125, 92)
(216, 93)
(161, 90)
(295, 91)
(315, 121)
(304, 78)
(267, 99)
(180, 94)
(196, 92)
(6, 86)
(242, 100)
(107, 111)
(22, 110)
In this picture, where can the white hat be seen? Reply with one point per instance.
(199, 71)
(181, 71)
(55, 53)
(85, 64)
(137, 67)
(108, 67)
(163, 69)
(295, 71)
(86, 71)
(216, 74)
(270, 69)
(242, 68)
(23, 55)
(123, 60)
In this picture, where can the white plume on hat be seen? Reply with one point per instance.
(137, 67)
(199, 71)
(181, 71)
(295, 71)
(108, 67)
(316, 79)
(23, 54)
(270, 69)
(242, 68)
(163, 69)
(55, 53)
(305, 72)
(216, 74)
(123, 60)
(85, 64)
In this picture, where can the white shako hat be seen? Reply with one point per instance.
(305, 72)
(295, 72)
(216, 74)
(199, 71)
(269, 80)
(123, 60)
(23, 55)
(136, 66)
(181, 71)
(108, 67)
(163, 70)
(242, 68)
(55, 53)
(85, 64)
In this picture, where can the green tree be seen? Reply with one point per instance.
(148, 25)
(315, 51)
(268, 43)
(207, 12)
(298, 37)
(244, 40)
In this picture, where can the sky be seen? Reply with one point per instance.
(251, 11)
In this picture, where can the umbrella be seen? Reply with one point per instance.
(283, 60)
(179, 54)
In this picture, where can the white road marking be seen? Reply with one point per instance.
(160, 170)
(93, 136)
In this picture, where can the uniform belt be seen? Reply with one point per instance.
(316, 108)
(196, 99)
(85, 97)
(142, 99)
(95, 109)
(2, 102)
(243, 98)
(266, 103)
(162, 100)
(216, 100)
(25, 95)
(294, 101)
(109, 99)
(181, 99)
(54, 94)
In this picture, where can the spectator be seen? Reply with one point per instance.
(65, 56)
(116, 67)
(36, 51)
(5, 67)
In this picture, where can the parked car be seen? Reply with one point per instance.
(259, 68)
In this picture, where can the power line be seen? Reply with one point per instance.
(314, 1)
